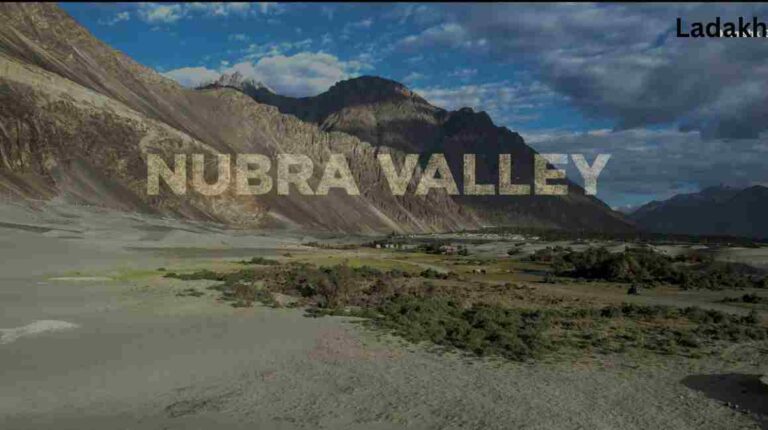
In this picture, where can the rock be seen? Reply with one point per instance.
(283, 300)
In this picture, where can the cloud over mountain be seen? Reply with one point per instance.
(624, 62)
(301, 74)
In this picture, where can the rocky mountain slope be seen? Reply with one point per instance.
(712, 211)
(77, 120)
(386, 113)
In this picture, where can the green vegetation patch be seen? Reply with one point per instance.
(480, 318)
(480, 329)
(647, 266)
(515, 334)
(261, 261)
(661, 329)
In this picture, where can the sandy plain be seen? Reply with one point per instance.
(94, 337)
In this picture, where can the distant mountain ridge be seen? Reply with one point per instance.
(719, 210)
(386, 113)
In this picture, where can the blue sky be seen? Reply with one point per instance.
(676, 115)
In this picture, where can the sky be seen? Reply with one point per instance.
(676, 114)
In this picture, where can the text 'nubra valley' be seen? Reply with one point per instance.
(253, 175)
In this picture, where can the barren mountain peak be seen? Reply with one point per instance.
(373, 88)
(237, 80)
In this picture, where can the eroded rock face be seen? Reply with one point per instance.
(387, 114)
(77, 119)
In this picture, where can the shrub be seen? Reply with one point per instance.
(480, 329)
(200, 274)
(336, 286)
(752, 318)
(398, 273)
(747, 298)
(367, 272)
(432, 247)
(261, 261)
(645, 266)
(433, 274)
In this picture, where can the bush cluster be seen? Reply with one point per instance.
(646, 266)
(261, 261)
(479, 329)
(444, 314)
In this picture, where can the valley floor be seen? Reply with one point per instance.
(94, 336)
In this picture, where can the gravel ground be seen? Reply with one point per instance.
(118, 356)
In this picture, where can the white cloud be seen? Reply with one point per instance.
(239, 37)
(267, 8)
(506, 102)
(636, 78)
(255, 50)
(119, 17)
(192, 77)
(328, 12)
(346, 31)
(302, 74)
(446, 34)
(154, 13)
(419, 14)
(219, 9)
(169, 13)
(651, 164)
(413, 76)
(415, 59)
(364, 23)
(464, 73)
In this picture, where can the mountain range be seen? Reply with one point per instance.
(388, 114)
(719, 210)
(78, 118)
